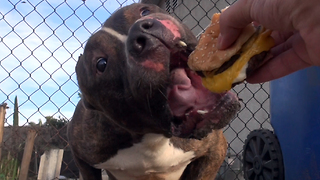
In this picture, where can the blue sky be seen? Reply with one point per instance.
(40, 42)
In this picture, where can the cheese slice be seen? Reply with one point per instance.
(223, 82)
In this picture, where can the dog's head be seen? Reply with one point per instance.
(134, 70)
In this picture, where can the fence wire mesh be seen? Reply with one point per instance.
(40, 41)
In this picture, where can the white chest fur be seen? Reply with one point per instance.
(154, 156)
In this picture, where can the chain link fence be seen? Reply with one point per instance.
(40, 41)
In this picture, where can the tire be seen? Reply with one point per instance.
(262, 157)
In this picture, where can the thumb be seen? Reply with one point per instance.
(232, 21)
(228, 37)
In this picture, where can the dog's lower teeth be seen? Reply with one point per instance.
(183, 44)
(202, 111)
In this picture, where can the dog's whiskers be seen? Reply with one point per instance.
(150, 90)
(163, 94)
(148, 99)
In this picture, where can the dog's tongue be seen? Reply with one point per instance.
(186, 93)
(197, 109)
(181, 94)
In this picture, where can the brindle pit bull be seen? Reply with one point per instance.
(144, 115)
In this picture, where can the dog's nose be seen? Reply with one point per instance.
(144, 26)
(147, 34)
(140, 35)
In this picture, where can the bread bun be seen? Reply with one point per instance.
(206, 56)
(221, 69)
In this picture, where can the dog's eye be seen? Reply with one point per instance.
(101, 64)
(145, 12)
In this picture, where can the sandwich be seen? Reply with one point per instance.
(222, 69)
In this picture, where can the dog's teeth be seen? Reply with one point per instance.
(183, 44)
(202, 111)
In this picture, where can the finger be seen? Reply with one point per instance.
(224, 41)
(281, 65)
(274, 15)
(281, 37)
(284, 42)
(232, 20)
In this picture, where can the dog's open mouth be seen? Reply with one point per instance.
(196, 110)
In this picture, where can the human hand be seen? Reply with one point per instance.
(296, 30)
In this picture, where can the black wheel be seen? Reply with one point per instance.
(262, 157)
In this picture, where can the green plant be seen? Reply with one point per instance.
(9, 168)
(15, 128)
(54, 122)
(16, 112)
